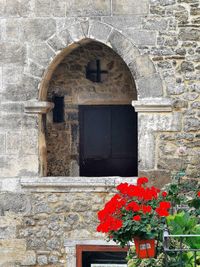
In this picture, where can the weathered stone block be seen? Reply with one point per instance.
(12, 74)
(88, 8)
(99, 31)
(10, 121)
(123, 47)
(12, 8)
(1, 79)
(12, 53)
(191, 124)
(42, 260)
(12, 29)
(29, 142)
(17, 203)
(2, 143)
(13, 142)
(43, 8)
(29, 258)
(130, 7)
(58, 8)
(28, 89)
(34, 69)
(124, 22)
(150, 86)
(189, 34)
(36, 30)
(11, 107)
(7, 232)
(155, 24)
(141, 37)
(56, 43)
(41, 54)
(144, 66)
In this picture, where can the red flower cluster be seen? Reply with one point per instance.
(198, 194)
(163, 208)
(137, 201)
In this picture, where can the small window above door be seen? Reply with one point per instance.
(95, 72)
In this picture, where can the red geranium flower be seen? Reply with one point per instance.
(165, 205)
(142, 180)
(164, 194)
(146, 209)
(162, 212)
(137, 218)
(198, 194)
(133, 206)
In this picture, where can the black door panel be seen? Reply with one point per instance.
(108, 141)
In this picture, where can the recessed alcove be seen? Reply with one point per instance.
(92, 75)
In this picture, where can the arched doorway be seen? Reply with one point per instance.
(92, 86)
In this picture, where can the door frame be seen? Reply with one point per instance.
(82, 248)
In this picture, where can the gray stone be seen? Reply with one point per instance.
(28, 89)
(12, 74)
(56, 43)
(189, 34)
(18, 203)
(130, 7)
(187, 66)
(196, 104)
(10, 121)
(155, 24)
(191, 124)
(12, 53)
(42, 260)
(30, 259)
(143, 66)
(53, 259)
(123, 47)
(53, 244)
(150, 86)
(174, 89)
(58, 8)
(2, 143)
(12, 32)
(65, 37)
(99, 31)
(142, 37)
(34, 69)
(41, 54)
(7, 232)
(36, 30)
(124, 22)
(43, 8)
(88, 8)
(13, 142)
(190, 96)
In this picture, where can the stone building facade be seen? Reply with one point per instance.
(156, 43)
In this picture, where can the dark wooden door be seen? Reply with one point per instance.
(108, 141)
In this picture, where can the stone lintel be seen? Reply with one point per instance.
(73, 184)
(152, 105)
(38, 107)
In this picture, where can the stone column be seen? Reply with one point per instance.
(41, 108)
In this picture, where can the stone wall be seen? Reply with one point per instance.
(160, 42)
(69, 80)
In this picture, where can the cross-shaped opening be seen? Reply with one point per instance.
(94, 72)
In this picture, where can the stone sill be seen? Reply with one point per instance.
(73, 184)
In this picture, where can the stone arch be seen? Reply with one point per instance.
(147, 79)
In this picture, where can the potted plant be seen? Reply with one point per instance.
(135, 212)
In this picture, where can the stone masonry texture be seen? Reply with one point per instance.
(151, 49)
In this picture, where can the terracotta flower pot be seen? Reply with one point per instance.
(145, 248)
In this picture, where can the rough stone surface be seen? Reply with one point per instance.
(159, 42)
